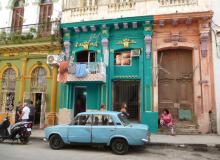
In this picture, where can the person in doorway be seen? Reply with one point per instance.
(18, 112)
(123, 110)
(80, 108)
(25, 113)
(32, 113)
(166, 120)
(102, 108)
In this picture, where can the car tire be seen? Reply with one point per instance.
(119, 146)
(56, 142)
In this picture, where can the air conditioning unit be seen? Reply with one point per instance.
(52, 59)
(135, 52)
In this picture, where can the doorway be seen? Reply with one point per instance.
(37, 103)
(86, 56)
(127, 92)
(175, 84)
(80, 100)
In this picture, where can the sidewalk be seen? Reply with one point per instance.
(159, 139)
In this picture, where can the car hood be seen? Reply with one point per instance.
(139, 126)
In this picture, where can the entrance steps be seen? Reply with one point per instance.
(182, 128)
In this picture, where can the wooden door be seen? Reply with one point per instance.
(17, 19)
(176, 83)
(45, 26)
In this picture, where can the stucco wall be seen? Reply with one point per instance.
(216, 57)
(31, 12)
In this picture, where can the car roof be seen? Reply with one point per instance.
(100, 112)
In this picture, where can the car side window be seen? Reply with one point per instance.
(83, 120)
(102, 120)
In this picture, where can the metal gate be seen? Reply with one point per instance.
(127, 92)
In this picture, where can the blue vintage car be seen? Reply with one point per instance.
(108, 128)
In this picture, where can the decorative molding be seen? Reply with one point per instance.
(86, 44)
(126, 42)
(9, 65)
(204, 38)
(175, 38)
(67, 45)
(148, 43)
(40, 64)
(105, 43)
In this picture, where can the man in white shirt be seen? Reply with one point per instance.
(25, 113)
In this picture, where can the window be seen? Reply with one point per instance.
(18, 16)
(123, 119)
(38, 80)
(83, 120)
(102, 120)
(8, 89)
(123, 58)
(46, 10)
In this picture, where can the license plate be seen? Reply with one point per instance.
(29, 129)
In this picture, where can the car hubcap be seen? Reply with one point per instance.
(119, 146)
(56, 141)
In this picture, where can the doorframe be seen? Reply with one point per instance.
(74, 93)
(197, 99)
(43, 107)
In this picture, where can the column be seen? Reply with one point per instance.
(52, 114)
(22, 80)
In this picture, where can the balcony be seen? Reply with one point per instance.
(33, 33)
(123, 6)
(88, 10)
(96, 71)
(168, 3)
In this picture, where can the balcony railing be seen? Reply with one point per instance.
(41, 32)
(167, 3)
(88, 10)
(96, 71)
(121, 6)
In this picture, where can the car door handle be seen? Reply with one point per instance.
(112, 129)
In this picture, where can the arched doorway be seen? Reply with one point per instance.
(175, 84)
(8, 90)
(38, 89)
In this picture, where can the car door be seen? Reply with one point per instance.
(103, 128)
(80, 130)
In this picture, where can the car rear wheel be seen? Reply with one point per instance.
(119, 146)
(56, 142)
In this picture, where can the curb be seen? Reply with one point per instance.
(195, 147)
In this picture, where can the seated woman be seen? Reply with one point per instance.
(166, 120)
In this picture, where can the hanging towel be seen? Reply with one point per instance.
(81, 70)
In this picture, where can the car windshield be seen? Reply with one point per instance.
(123, 119)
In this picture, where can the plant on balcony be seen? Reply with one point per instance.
(16, 36)
(3, 39)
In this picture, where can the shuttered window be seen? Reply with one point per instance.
(17, 16)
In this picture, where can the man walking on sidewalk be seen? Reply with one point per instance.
(25, 113)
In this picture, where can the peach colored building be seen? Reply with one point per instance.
(182, 68)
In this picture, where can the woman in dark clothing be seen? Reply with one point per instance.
(18, 112)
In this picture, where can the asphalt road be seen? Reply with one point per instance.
(40, 150)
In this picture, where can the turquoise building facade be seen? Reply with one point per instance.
(117, 55)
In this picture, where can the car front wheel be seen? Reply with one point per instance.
(56, 142)
(119, 146)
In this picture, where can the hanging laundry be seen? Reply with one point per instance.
(63, 71)
(81, 70)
